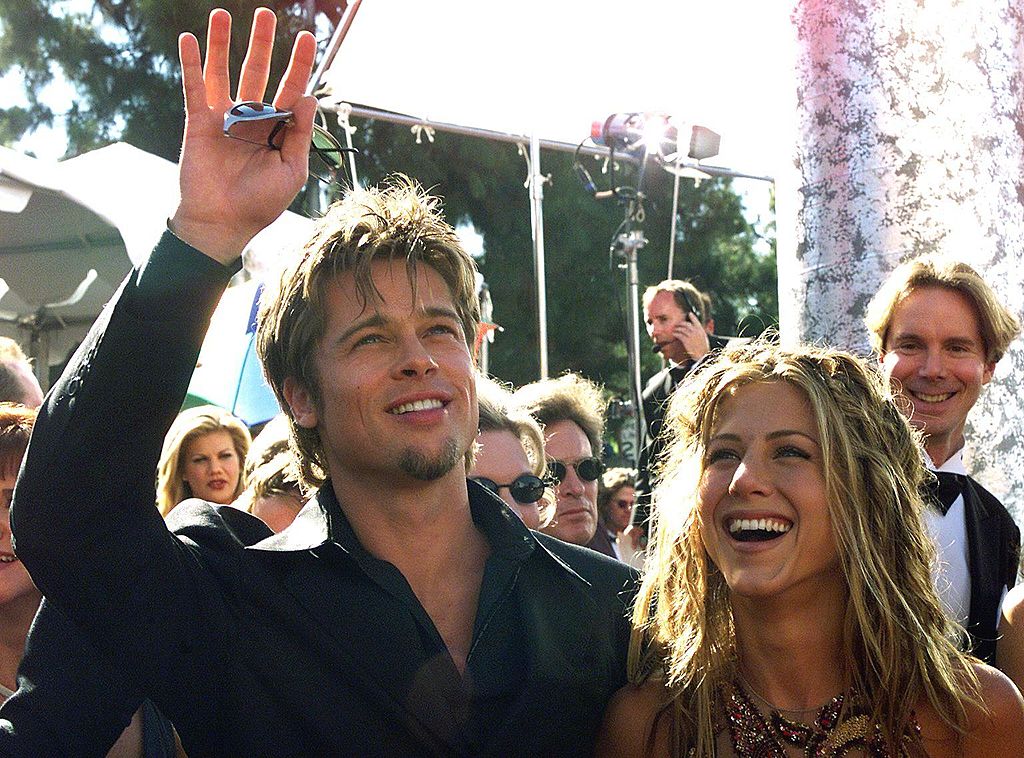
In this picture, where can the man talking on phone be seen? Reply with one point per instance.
(681, 327)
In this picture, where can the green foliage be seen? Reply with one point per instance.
(121, 58)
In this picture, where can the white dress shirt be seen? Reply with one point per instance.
(951, 574)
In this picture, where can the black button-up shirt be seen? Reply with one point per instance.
(299, 643)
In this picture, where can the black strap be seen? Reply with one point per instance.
(943, 491)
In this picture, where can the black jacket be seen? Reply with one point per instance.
(993, 555)
(298, 643)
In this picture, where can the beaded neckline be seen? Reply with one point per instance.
(833, 732)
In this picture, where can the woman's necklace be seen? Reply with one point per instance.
(831, 734)
(747, 689)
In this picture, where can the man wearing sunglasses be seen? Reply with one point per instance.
(571, 408)
(510, 455)
(405, 610)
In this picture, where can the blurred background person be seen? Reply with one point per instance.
(571, 409)
(19, 598)
(679, 324)
(509, 458)
(18, 383)
(273, 492)
(939, 330)
(615, 501)
(202, 457)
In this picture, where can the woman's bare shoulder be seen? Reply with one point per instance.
(631, 725)
(1000, 731)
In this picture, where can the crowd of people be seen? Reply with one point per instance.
(414, 559)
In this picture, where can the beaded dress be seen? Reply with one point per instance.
(841, 728)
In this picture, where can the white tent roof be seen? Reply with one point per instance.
(103, 210)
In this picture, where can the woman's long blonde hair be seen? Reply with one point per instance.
(189, 425)
(899, 645)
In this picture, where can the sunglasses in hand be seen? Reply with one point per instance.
(587, 469)
(326, 155)
(525, 489)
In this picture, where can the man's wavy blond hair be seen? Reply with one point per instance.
(397, 221)
(998, 326)
(899, 645)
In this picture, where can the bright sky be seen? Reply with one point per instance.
(555, 67)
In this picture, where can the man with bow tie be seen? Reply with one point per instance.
(939, 331)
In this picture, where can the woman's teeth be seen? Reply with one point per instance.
(757, 529)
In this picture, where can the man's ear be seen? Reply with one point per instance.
(990, 369)
(300, 402)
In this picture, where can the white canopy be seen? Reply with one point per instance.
(102, 211)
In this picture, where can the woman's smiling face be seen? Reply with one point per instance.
(762, 496)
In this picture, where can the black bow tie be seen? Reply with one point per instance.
(944, 490)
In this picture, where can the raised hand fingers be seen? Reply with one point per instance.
(252, 83)
(191, 73)
(300, 66)
(296, 144)
(218, 48)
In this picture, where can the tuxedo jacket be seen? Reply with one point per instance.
(656, 395)
(993, 555)
(299, 643)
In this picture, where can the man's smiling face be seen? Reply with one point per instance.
(936, 358)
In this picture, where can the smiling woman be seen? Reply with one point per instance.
(789, 603)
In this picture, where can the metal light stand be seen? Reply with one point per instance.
(627, 245)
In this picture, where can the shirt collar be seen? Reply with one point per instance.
(322, 520)
(954, 464)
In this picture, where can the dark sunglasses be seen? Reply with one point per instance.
(587, 469)
(326, 155)
(524, 489)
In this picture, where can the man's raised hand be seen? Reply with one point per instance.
(231, 189)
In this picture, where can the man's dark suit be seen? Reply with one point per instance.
(299, 643)
(993, 555)
(656, 395)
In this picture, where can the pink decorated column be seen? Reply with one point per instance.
(909, 125)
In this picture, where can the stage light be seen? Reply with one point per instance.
(658, 133)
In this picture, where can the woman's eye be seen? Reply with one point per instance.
(721, 454)
(789, 451)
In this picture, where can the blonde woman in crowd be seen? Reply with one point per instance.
(788, 608)
(202, 457)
